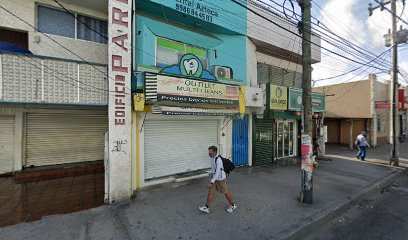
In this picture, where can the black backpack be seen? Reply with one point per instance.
(227, 165)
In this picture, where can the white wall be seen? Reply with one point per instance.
(27, 10)
(265, 31)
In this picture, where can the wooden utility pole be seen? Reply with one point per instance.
(306, 194)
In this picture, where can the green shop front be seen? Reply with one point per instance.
(277, 133)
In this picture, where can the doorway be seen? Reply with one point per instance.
(286, 141)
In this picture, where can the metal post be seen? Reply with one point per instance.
(306, 194)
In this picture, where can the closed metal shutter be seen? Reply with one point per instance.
(57, 138)
(6, 144)
(173, 147)
(263, 143)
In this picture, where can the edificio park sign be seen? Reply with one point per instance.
(182, 90)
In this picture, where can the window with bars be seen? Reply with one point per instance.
(278, 76)
(72, 25)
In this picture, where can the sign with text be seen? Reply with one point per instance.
(182, 90)
(295, 100)
(168, 110)
(278, 97)
(119, 78)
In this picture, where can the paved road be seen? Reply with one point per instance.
(382, 216)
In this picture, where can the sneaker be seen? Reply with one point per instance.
(204, 209)
(358, 157)
(231, 208)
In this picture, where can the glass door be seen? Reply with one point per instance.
(285, 135)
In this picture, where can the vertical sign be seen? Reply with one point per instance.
(119, 99)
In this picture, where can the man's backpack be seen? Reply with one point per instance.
(227, 165)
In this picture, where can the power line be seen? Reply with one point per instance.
(388, 10)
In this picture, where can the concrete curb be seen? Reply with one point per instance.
(342, 206)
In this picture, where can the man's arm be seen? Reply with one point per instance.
(218, 170)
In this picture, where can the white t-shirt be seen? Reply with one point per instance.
(216, 169)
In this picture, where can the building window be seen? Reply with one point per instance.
(169, 52)
(64, 24)
(278, 76)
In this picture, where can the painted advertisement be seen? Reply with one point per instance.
(279, 97)
(182, 90)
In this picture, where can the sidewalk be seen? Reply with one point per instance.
(267, 199)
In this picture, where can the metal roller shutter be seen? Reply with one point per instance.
(173, 147)
(57, 138)
(6, 144)
(263, 142)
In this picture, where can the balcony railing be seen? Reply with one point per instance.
(38, 79)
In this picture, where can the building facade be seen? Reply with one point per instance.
(361, 106)
(53, 83)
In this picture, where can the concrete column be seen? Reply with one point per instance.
(351, 140)
(19, 127)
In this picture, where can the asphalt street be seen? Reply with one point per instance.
(382, 216)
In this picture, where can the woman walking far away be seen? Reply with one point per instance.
(362, 145)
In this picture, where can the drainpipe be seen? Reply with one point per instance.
(106, 163)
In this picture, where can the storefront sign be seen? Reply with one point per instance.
(198, 9)
(279, 97)
(168, 110)
(182, 90)
(319, 102)
(385, 104)
(382, 104)
(295, 100)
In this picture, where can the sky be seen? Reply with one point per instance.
(350, 20)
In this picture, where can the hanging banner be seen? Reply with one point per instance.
(279, 97)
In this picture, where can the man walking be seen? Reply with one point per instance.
(218, 182)
(362, 145)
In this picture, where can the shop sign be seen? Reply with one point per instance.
(296, 100)
(181, 90)
(383, 104)
(169, 110)
(279, 97)
(319, 102)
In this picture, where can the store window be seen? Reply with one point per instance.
(72, 25)
(169, 52)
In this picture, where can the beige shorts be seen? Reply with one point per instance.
(220, 186)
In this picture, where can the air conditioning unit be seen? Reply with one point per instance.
(222, 72)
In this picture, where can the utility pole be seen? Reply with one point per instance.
(392, 40)
(306, 194)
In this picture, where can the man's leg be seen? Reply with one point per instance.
(363, 153)
(210, 197)
(229, 198)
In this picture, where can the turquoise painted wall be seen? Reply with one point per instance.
(230, 47)
(202, 14)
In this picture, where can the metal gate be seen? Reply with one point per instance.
(240, 141)
(263, 141)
